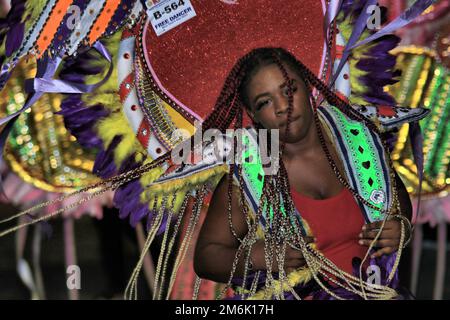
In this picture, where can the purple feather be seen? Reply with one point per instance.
(81, 120)
(15, 28)
(104, 165)
(11, 27)
(378, 62)
(14, 38)
(138, 214)
(127, 197)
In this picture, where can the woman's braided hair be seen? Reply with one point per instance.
(233, 100)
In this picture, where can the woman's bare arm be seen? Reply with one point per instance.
(216, 246)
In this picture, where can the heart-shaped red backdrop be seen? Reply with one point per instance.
(191, 61)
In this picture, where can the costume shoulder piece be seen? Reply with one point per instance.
(388, 118)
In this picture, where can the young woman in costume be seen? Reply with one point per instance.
(331, 157)
(274, 88)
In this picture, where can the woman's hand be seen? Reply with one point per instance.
(389, 239)
(293, 258)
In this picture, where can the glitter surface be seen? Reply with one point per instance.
(192, 60)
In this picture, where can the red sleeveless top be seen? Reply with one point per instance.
(336, 223)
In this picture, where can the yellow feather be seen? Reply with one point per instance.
(33, 9)
(107, 94)
(116, 124)
(181, 186)
(110, 101)
(294, 278)
(188, 183)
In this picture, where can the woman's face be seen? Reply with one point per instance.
(268, 102)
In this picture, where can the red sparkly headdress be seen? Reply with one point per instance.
(196, 56)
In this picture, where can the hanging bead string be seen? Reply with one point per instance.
(280, 238)
(181, 216)
(201, 192)
(174, 237)
(131, 289)
(154, 222)
(254, 286)
(108, 184)
(105, 185)
(326, 70)
(230, 178)
(239, 124)
(249, 238)
(159, 276)
(197, 284)
(230, 201)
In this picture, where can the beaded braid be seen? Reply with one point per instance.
(330, 96)
(290, 96)
(221, 115)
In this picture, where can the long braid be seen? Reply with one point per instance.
(220, 115)
(329, 95)
(290, 96)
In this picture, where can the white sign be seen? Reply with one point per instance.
(167, 14)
